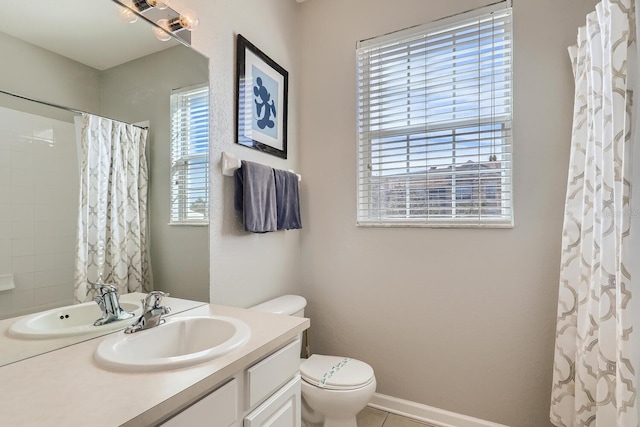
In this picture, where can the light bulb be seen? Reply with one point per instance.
(161, 30)
(189, 19)
(126, 15)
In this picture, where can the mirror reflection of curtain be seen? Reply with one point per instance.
(595, 365)
(112, 221)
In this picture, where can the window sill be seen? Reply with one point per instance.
(373, 224)
(191, 224)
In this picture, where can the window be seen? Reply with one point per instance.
(434, 123)
(190, 156)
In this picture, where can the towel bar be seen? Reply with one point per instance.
(230, 163)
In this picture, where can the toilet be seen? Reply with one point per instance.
(334, 389)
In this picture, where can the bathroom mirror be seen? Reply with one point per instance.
(82, 55)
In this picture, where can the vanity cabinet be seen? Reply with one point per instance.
(282, 409)
(267, 393)
(272, 372)
(273, 389)
(218, 409)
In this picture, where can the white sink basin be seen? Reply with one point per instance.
(180, 342)
(69, 321)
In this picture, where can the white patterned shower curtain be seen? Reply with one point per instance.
(112, 221)
(595, 370)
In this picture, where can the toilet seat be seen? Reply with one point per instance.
(336, 373)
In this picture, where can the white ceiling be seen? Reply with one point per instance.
(87, 31)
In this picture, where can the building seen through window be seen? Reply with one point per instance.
(434, 123)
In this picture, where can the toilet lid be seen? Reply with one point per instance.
(335, 373)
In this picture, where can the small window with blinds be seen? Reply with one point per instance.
(190, 156)
(434, 123)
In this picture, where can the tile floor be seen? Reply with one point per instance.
(370, 417)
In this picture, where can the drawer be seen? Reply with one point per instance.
(282, 409)
(218, 409)
(273, 372)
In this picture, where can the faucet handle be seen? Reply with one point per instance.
(104, 288)
(153, 299)
(103, 306)
(107, 300)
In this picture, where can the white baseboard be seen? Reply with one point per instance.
(427, 414)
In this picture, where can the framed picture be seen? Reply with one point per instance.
(261, 101)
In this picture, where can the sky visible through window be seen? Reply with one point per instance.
(454, 94)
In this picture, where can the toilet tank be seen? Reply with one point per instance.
(291, 305)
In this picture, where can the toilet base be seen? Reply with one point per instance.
(310, 418)
(328, 422)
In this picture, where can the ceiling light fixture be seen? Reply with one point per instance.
(162, 31)
(187, 20)
(168, 23)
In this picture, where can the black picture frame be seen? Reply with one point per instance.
(262, 90)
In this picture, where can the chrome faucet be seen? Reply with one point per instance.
(152, 312)
(107, 300)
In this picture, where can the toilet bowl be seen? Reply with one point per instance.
(334, 389)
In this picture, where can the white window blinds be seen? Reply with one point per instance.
(190, 156)
(434, 123)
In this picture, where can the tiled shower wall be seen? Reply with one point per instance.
(38, 209)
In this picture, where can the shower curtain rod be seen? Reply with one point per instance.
(62, 107)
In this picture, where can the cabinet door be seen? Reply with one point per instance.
(273, 372)
(218, 409)
(280, 410)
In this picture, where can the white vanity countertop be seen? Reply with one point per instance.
(67, 388)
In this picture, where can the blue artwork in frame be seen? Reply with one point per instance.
(261, 101)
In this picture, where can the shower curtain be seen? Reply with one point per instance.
(112, 220)
(595, 368)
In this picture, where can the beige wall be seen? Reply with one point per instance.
(463, 319)
(40, 74)
(246, 268)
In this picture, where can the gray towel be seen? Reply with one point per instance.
(255, 196)
(287, 200)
